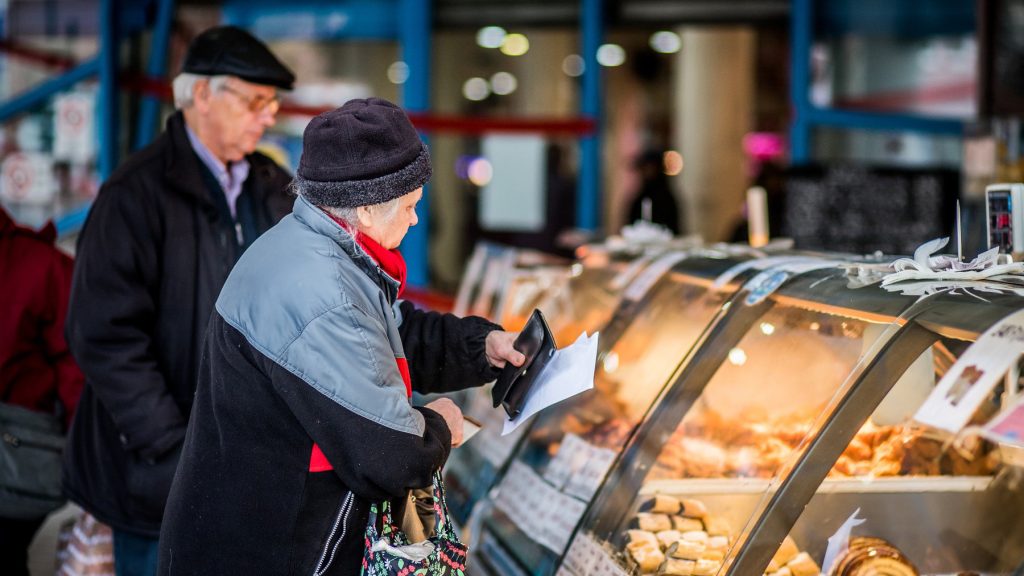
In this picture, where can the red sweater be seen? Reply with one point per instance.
(35, 282)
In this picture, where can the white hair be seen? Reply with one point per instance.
(184, 86)
(388, 210)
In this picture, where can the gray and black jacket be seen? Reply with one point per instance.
(302, 349)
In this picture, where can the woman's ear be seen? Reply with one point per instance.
(365, 217)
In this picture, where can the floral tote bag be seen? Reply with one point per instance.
(387, 551)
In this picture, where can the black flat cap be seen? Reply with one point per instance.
(231, 51)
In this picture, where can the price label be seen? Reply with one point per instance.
(974, 375)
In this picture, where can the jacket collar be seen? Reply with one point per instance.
(317, 220)
(6, 223)
(8, 227)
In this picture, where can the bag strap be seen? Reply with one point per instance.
(442, 520)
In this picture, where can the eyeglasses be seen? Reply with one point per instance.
(255, 104)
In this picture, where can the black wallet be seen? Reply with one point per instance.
(538, 345)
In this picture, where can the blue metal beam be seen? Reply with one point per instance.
(588, 194)
(157, 67)
(801, 21)
(414, 35)
(888, 122)
(48, 89)
(109, 115)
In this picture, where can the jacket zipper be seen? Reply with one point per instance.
(13, 440)
(342, 519)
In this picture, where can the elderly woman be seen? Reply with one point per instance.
(302, 415)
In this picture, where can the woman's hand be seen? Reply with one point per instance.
(499, 350)
(452, 416)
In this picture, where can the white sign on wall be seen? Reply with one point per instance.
(27, 178)
(74, 138)
(513, 200)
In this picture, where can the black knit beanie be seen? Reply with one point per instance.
(366, 152)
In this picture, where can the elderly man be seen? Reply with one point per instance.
(161, 238)
(303, 414)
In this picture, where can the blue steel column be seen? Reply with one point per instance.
(588, 194)
(157, 67)
(414, 35)
(802, 32)
(109, 128)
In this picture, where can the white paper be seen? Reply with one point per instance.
(839, 543)
(974, 375)
(568, 373)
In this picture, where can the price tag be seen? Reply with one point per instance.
(756, 264)
(571, 457)
(585, 483)
(974, 375)
(767, 282)
(1008, 426)
(638, 288)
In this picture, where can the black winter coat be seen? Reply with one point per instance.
(151, 260)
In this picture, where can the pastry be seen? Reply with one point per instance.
(706, 568)
(717, 527)
(696, 536)
(718, 543)
(641, 536)
(667, 538)
(803, 565)
(661, 504)
(786, 552)
(684, 524)
(647, 557)
(685, 550)
(676, 567)
(871, 557)
(783, 572)
(716, 555)
(693, 508)
(653, 522)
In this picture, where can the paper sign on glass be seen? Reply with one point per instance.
(974, 375)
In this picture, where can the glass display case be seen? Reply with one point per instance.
(573, 299)
(665, 311)
(787, 446)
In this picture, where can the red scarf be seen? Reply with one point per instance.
(392, 263)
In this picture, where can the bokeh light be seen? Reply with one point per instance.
(573, 65)
(611, 55)
(503, 83)
(490, 36)
(666, 42)
(673, 162)
(398, 72)
(515, 45)
(476, 89)
(480, 172)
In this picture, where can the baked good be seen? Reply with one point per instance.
(693, 508)
(684, 524)
(685, 550)
(709, 554)
(640, 536)
(706, 568)
(696, 536)
(661, 504)
(652, 522)
(718, 543)
(783, 572)
(676, 567)
(803, 565)
(871, 557)
(717, 527)
(647, 557)
(667, 538)
(786, 552)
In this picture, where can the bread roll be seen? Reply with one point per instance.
(667, 538)
(676, 567)
(706, 568)
(786, 552)
(803, 565)
(693, 508)
(661, 504)
(653, 522)
(685, 550)
(696, 536)
(646, 556)
(684, 524)
(641, 536)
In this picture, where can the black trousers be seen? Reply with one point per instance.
(15, 536)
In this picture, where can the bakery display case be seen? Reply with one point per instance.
(577, 298)
(789, 445)
(554, 472)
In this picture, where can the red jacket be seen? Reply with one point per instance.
(35, 281)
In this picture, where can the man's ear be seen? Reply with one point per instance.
(201, 95)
